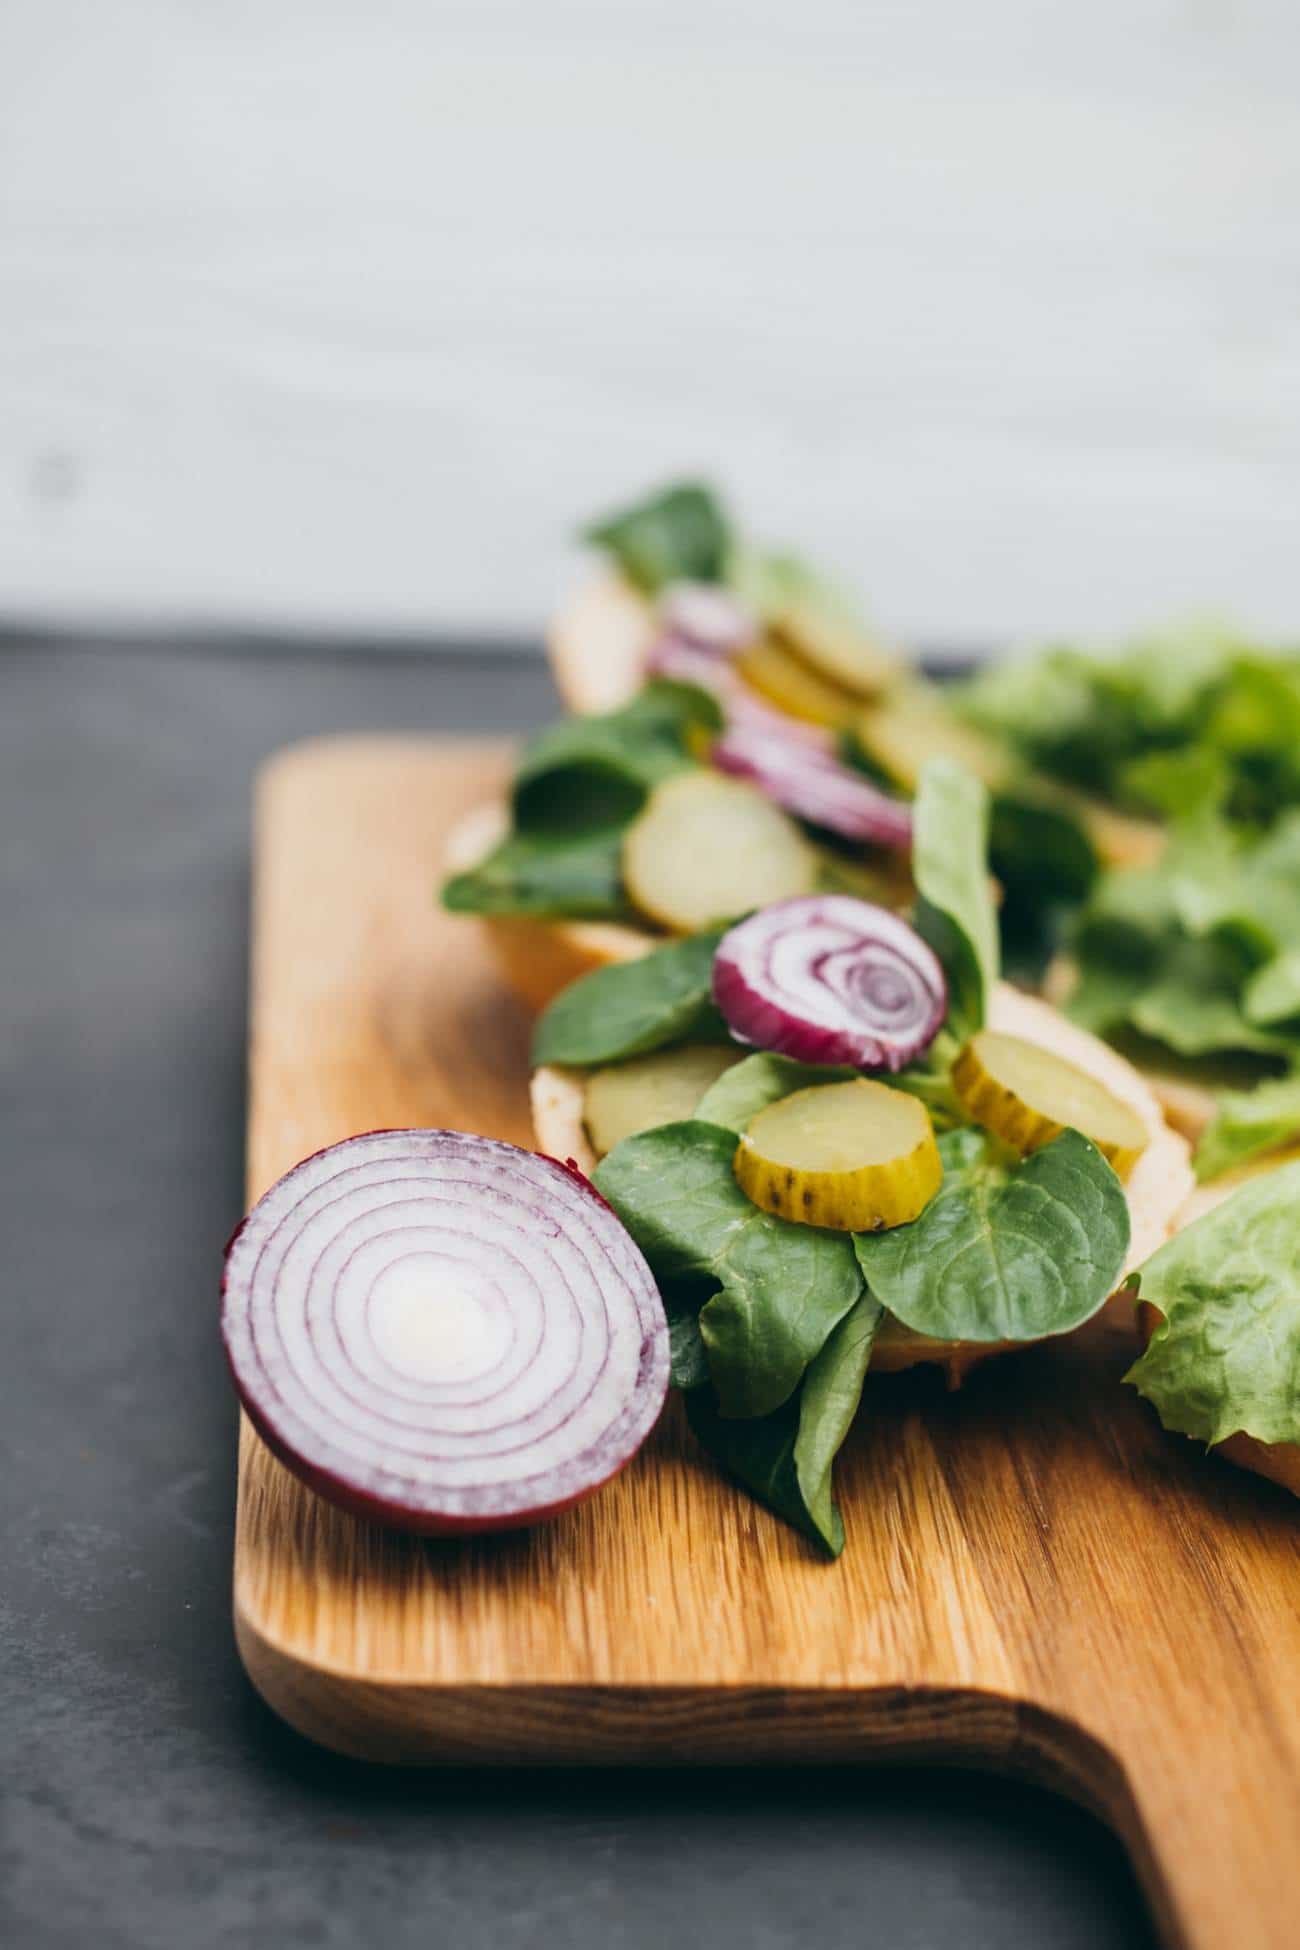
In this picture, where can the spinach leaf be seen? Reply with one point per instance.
(785, 1459)
(578, 785)
(683, 1299)
(680, 534)
(752, 1084)
(1247, 1123)
(1226, 1357)
(1039, 847)
(929, 1079)
(783, 1287)
(587, 773)
(954, 908)
(633, 1007)
(1008, 1249)
(545, 876)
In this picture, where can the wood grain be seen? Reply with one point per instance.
(1037, 1578)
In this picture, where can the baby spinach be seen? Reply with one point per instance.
(633, 1007)
(759, 1080)
(578, 785)
(954, 908)
(782, 1287)
(785, 1459)
(546, 876)
(590, 772)
(679, 534)
(1008, 1249)
(1226, 1357)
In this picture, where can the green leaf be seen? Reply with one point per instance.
(757, 1081)
(1226, 1357)
(536, 874)
(1039, 848)
(1008, 1249)
(954, 909)
(630, 1008)
(785, 1459)
(593, 773)
(832, 1390)
(679, 534)
(929, 1080)
(683, 1299)
(1195, 1005)
(1193, 780)
(1247, 1123)
(783, 1287)
(579, 783)
(1272, 995)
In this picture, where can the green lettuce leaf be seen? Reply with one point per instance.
(785, 1459)
(1272, 995)
(1008, 1249)
(630, 1008)
(1226, 1356)
(1247, 1123)
(1085, 716)
(954, 908)
(679, 534)
(1200, 952)
(782, 1287)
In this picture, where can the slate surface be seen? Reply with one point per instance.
(149, 1799)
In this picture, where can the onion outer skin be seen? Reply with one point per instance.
(759, 1013)
(393, 1512)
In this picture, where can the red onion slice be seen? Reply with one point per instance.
(708, 617)
(812, 783)
(686, 664)
(828, 978)
(443, 1332)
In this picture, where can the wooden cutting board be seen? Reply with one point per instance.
(1037, 1578)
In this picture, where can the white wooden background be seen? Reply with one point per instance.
(344, 311)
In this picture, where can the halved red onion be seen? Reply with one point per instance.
(811, 782)
(828, 978)
(443, 1332)
(710, 618)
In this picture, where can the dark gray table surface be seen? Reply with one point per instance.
(149, 1798)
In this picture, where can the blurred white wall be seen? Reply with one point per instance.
(345, 311)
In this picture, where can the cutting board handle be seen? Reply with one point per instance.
(1208, 1808)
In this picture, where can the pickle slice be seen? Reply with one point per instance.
(1028, 1095)
(776, 673)
(912, 725)
(853, 1156)
(707, 848)
(647, 1091)
(836, 644)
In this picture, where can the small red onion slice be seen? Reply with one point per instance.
(811, 782)
(828, 978)
(443, 1332)
(686, 664)
(710, 618)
